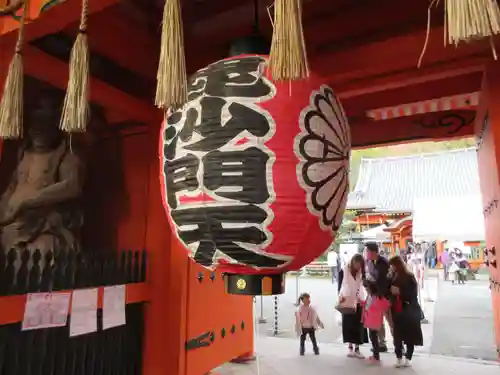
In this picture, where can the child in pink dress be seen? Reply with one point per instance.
(307, 322)
(373, 317)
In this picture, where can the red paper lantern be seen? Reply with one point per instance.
(255, 172)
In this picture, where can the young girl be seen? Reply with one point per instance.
(307, 322)
(374, 309)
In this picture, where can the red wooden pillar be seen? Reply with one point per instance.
(487, 129)
(165, 331)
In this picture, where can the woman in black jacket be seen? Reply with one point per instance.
(406, 311)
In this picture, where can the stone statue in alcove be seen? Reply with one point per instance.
(40, 208)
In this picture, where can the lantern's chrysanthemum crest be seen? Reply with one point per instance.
(323, 147)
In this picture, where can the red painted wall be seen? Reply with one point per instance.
(181, 307)
(124, 210)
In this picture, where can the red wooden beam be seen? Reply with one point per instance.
(431, 126)
(111, 34)
(403, 79)
(57, 18)
(393, 55)
(356, 22)
(424, 91)
(55, 72)
(226, 23)
(12, 307)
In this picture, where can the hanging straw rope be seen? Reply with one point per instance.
(288, 56)
(471, 19)
(11, 105)
(75, 113)
(171, 88)
(464, 21)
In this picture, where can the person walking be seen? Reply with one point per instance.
(332, 261)
(445, 260)
(377, 273)
(406, 312)
(351, 296)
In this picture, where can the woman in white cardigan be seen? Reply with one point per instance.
(351, 295)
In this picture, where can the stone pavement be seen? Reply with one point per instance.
(460, 318)
(463, 323)
(280, 357)
(324, 297)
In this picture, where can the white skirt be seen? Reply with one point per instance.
(453, 268)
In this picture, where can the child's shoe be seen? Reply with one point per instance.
(373, 361)
(406, 363)
(316, 351)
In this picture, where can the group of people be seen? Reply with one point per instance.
(455, 264)
(371, 289)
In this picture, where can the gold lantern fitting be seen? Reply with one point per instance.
(254, 285)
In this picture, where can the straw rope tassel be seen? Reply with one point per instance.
(11, 105)
(288, 56)
(471, 19)
(171, 88)
(75, 113)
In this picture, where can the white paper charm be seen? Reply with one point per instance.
(45, 310)
(113, 310)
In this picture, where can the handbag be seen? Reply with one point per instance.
(345, 310)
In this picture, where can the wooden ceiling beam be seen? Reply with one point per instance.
(430, 126)
(416, 93)
(405, 78)
(56, 19)
(55, 72)
(227, 22)
(391, 56)
(129, 46)
(341, 27)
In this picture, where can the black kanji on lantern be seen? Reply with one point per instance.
(236, 78)
(203, 128)
(222, 228)
(216, 164)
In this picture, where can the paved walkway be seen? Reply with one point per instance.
(463, 321)
(460, 318)
(280, 357)
(324, 298)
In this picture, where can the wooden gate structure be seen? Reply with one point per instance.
(367, 51)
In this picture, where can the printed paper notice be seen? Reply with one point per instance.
(113, 309)
(45, 310)
(83, 312)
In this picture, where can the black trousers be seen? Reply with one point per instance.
(374, 339)
(398, 349)
(312, 335)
